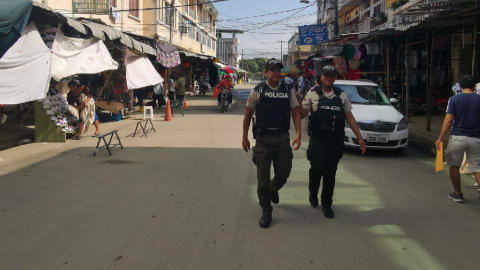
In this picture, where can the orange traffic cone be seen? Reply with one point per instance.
(215, 92)
(168, 113)
(185, 103)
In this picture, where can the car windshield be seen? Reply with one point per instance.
(364, 94)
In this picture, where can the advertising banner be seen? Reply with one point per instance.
(313, 34)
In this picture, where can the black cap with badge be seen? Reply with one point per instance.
(329, 68)
(273, 62)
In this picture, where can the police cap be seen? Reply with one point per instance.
(329, 68)
(273, 62)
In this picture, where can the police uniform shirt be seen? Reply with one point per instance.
(254, 97)
(310, 102)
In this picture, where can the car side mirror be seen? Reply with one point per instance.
(393, 100)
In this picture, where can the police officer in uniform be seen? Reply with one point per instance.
(329, 107)
(273, 102)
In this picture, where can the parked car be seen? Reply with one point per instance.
(381, 125)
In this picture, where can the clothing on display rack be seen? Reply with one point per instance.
(341, 66)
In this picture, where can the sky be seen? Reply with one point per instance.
(263, 33)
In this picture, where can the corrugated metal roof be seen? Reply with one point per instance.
(77, 25)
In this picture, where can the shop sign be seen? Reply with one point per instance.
(313, 34)
(91, 6)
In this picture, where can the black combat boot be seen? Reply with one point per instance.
(265, 220)
(328, 212)
(313, 200)
(274, 197)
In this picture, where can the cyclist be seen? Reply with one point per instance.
(227, 83)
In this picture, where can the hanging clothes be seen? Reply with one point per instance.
(25, 69)
(341, 66)
(372, 48)
(354, 63)
(355, 74)
(167, 56)
(348, 52)
(358, 53)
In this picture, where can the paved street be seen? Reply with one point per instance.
(185, 198)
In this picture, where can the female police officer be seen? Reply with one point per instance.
(329, 107)
(272, 103)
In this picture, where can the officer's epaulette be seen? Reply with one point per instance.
(338, 91)
(259, 88)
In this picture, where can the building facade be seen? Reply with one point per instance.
(183, 23)
(227, 48)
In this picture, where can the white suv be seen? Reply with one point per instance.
(381, 125)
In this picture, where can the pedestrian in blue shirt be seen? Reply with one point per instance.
(465, 137)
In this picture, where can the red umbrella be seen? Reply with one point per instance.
(229, 69)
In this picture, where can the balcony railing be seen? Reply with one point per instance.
(409, 14)
(364, 26)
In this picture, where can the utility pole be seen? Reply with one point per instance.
(336, 18)
(281, 49)
(172, 13)
(298, 44)
(243, 61)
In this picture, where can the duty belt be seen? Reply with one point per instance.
(274, 131)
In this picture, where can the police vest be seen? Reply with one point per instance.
(329, 118)
(273, 109)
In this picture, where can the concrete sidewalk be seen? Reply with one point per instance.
(422, 139)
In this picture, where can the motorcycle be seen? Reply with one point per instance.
(203, 85)
(224, 101)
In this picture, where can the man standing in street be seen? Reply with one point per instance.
(329, 107)
(158, 96)
(171, 88)
(180, 87)
(463, 113)
(272, 104)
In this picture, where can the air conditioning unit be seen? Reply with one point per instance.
(184, 29)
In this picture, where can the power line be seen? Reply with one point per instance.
(165, 7)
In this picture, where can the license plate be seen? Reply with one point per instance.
(377, 138)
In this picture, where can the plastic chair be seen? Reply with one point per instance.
(177, 105)
(116, 117)
(145, 112)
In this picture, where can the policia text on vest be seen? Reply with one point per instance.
(273, 104)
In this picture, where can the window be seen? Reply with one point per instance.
(168, 15)
(160, 10)
(199, 35)
(191, 31)
(364, 94)
(181, 24)
(133, 8)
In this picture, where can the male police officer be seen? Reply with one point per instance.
(329, 107)
(272, 103)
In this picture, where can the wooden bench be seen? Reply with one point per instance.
(107, 145)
